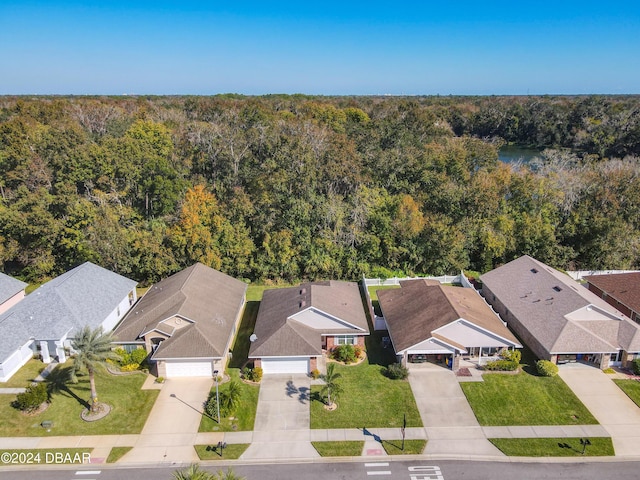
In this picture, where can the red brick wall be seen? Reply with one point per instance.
(257, 362)
(313, 363)
(330, 343)
(360, 340)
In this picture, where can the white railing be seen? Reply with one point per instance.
(578, 274)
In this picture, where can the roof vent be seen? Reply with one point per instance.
(557, 288)
(303, 291)
(302, 304)
(533, 270)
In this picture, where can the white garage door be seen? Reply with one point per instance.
(189, 369)
(285, 365)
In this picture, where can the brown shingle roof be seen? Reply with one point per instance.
(548, 304)
(624, 287)
(416, 310)
(207, 297)
(280, 335)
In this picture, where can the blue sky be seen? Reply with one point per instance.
(329, 47)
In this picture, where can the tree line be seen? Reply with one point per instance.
(284, 188)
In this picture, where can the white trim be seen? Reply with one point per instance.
(154, 329)
(337, 319)
(475, 325)
(432, 339)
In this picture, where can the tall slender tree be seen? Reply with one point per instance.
(93, 349)
(331, 386)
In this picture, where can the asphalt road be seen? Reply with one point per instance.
(396, 470)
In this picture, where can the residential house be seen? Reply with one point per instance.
(620, 290)
(11, 292)
(559, 319)
(438, 323)
(186, 322)
(296, 325)
(45, 321)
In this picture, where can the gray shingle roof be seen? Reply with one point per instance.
(9, 287)
(207, 297)
(558, 311)
(280, 335)
(83, 296)
(414, 311)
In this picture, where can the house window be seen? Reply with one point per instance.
(346, 340)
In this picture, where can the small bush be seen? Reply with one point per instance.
(546, 368)
(160, 380)
(344, 353)
(635, 365)
(396, 371)
(34, 396)
(357, 349)
(315, 373)
(130, 367)
(257, 374)
(138, 356)
(511, 355)
(501, 366)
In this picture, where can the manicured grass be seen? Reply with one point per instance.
(130, 406)
(553, 447)
(525, 399)
(117, 453)
(369, 399)
(211, 452)
(339, 449)
(244, 416)
(46, 456)
(25, 375)
(631, 388)
(411, 447)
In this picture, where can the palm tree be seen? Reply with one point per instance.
(193, 472)
(93, 348)
(228, 475)
(230, 398)
(331, 386)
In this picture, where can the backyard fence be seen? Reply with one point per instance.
(578, 274)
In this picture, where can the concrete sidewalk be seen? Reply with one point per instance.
(616, 412)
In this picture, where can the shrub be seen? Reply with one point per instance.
(139, 355)
(257, 374)
(501, 365)
(315, 373)
(546, 368)
(34, 396)
(396, 371)
(344, 353)
(511, 355)
(357, 349)
(160, 380)
(130, 367)
(635, 365)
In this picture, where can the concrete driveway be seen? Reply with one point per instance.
(170, 430)
(451, 426)
(282, 419)
(610, 405)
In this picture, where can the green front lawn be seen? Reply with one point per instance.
(553, 447)
(339, 449)
(369, 399)
(211, 452)
(117, 453)
(130, 406)
(245, 415)
(411, 447)
(25, 375)
(631, 388)
(525, 399)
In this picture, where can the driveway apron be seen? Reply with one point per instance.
(170, 431)
(282, 419)
(451, 426)
(612, 408)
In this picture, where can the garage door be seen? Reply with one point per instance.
(285, 365)
(189, 369)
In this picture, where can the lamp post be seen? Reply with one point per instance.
(215, 373)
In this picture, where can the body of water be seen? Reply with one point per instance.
(515, 153)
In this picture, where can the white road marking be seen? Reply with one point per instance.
(377, 464)
(379, 472)
(88, 472)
